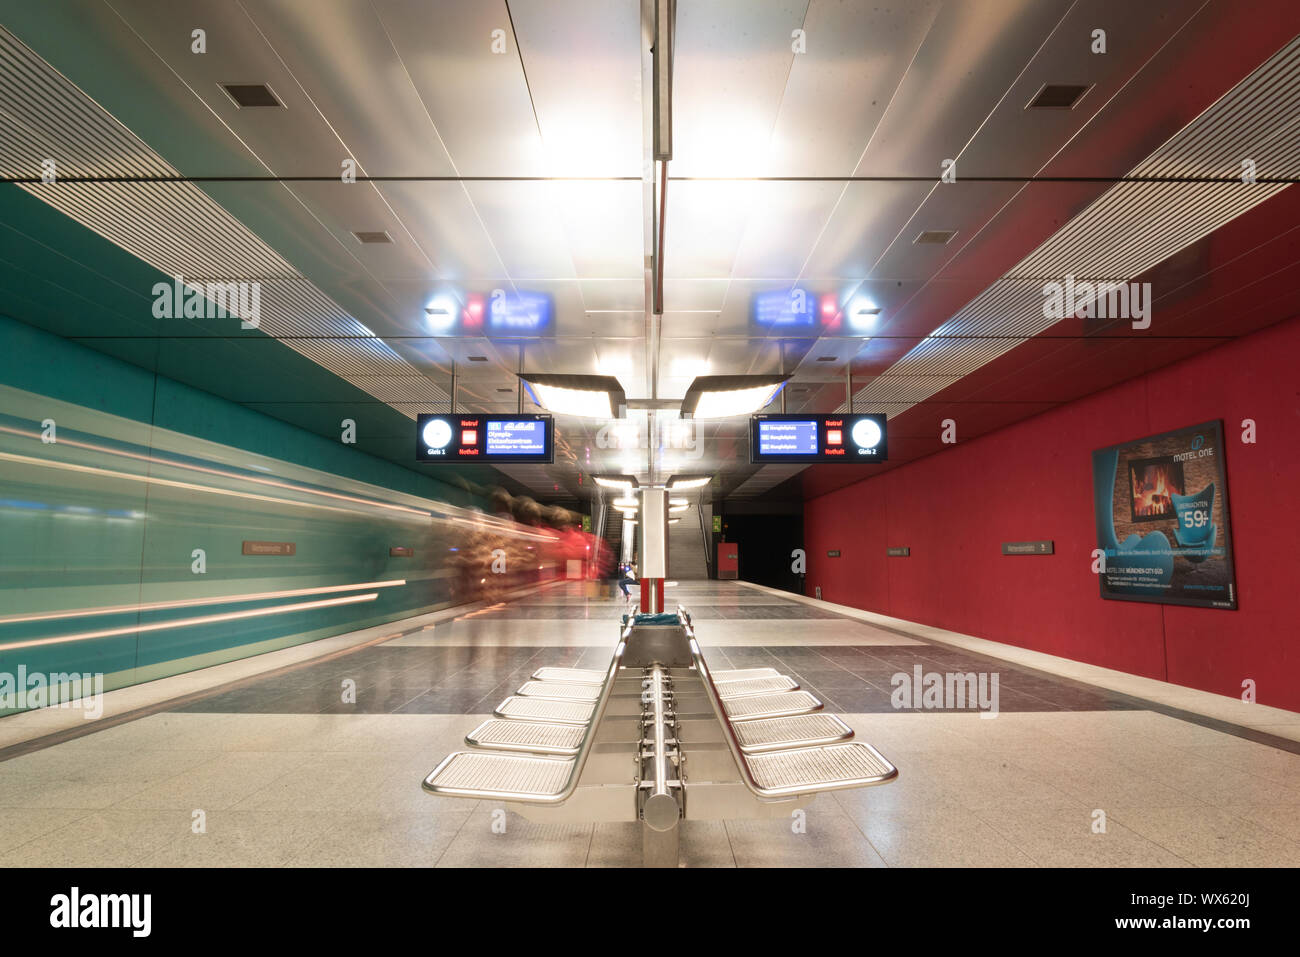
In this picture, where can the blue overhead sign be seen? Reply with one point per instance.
(783, 308)
(518, 312)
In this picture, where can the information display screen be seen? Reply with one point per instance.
(793, 437)
(817, 438)
(486, 438)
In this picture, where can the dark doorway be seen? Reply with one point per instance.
(767, 543)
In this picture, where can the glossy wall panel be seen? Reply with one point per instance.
(125, 501)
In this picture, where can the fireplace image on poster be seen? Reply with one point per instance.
(1162, 519)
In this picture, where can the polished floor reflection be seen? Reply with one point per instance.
(319, 764)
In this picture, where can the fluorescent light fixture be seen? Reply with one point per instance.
(624, 482)
(679, 483)
(593, 396)
(673, 521)
(629, 502)
(679, 501)
(628, 509)
(723, 396)
(678, 508)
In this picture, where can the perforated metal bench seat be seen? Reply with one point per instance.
(771, 705)
(776, 734)
(535, 737)
(752, 686)
(545, 709)
(488, 774)
(740, 674)
(580, 676)
(558, 689)
(829, 768)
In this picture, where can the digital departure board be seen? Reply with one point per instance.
(485, 438)
(797, 438)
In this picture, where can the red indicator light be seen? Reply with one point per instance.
(469, 437)
(473, 318)
(834, 437)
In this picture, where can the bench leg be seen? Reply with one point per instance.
(659, 848)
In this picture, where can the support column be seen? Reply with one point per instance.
(652, 562)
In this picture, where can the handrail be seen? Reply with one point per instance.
(704, 534)
(660, 756)
(660, 812)
(733, 743)
(579, 760)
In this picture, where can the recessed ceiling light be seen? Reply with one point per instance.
(1058, 96)
(936, 237)
(379, 236)
(250, 94)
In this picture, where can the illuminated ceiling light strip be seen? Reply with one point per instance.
(592, 396)
(625, 482)
(724, 396)
(678, 483)
(196, 602)
(211, 471)
(187, 622)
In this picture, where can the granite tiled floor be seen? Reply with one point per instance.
(286, 770)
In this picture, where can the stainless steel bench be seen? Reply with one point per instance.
(783, 770)
(658, 737)
(507, 775)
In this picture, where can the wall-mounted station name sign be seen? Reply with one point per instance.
(485, 438)
(802, 438)
(270, 548)
(1029, 548)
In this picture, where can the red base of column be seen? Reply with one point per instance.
(652, 595)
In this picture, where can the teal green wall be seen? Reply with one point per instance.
(98, 519)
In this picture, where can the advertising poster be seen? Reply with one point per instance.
(1162, 519)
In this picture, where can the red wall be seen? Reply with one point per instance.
(1033, 480)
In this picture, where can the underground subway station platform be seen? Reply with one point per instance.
(644, 435)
